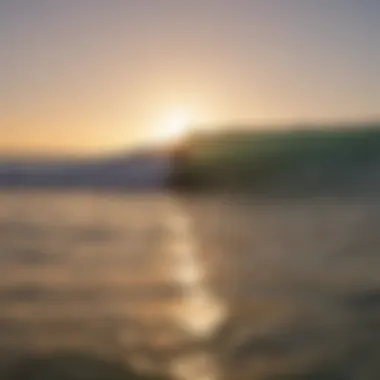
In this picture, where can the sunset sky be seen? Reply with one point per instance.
(96, 75)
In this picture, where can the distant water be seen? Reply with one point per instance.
(201, 289)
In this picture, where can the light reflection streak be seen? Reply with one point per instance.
(199, 312)
(199, 366)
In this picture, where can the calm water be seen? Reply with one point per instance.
(195, 289)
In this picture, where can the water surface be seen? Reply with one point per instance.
(202, 289)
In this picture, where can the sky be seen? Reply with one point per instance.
(96, 75)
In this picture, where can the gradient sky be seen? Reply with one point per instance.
(94, 75)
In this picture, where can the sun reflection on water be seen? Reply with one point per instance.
(200, 366)
(199, 312)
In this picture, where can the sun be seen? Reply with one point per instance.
(175, 126)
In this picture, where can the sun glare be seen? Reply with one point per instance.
(175, 126)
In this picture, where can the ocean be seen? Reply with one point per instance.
(203, 288)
